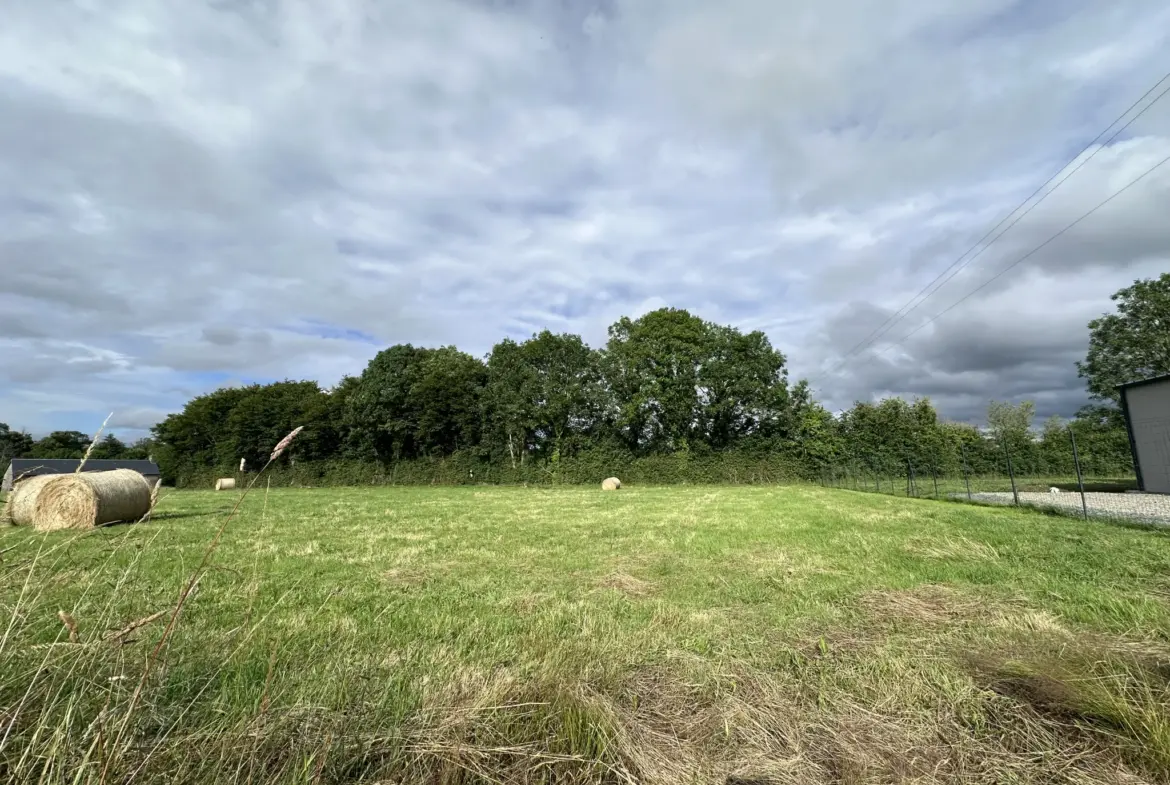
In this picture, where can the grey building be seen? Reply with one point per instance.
(31, 467)
(1146, 405)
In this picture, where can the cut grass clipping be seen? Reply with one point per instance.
(508, 635)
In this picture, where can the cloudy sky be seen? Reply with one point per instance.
(202, 193)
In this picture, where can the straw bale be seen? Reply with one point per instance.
(87, 499)
(225, 484)
(611, 484)
(23, 499)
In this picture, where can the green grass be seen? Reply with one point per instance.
(795, 634)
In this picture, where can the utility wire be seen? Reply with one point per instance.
(1028, 255)
(958, 265)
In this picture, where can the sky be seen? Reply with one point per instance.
(201, 194)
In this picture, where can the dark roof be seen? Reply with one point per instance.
(30, 467)
(1153, 380)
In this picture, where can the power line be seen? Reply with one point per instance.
(1028, 255)
(1041, 199)
(958, 265)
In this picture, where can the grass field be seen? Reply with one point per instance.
(675, 635)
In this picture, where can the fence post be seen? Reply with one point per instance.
(966, 470)
(1011, 474)
(934, 476)
(1080, 478)
(913, 483)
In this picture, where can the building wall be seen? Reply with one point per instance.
(1149, 421)
(6, 483)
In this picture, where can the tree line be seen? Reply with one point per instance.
(694, 400)
(68, 444)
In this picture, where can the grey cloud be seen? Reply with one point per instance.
(137, 419)
(13, 326)
(221, 336)
(446, 172)
(850, 107)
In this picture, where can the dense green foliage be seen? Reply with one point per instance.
(67, 444)
(670, 397)
(13, 444)
(698, 402)
(1132, 344)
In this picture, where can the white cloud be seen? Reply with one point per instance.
(238, 191)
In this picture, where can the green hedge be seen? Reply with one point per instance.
(584, 469)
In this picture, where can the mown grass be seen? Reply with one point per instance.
(794, 634)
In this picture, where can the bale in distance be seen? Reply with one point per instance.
(611, 484)
(23, 499)
(225, 484)
(87, 499)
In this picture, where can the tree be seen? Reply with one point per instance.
(967, 450)
(1011, 426)
(13, 444)
(109, 448)
(1056, 458)
(811, 434)
(140, 450)
(412, 402)
(379, 416)
(743, 387)
(509, 402)
(543, 396)
(1103, 442)
(445, 400)
(324, 418)
(261, 416)
(197, 436)
(892, 435)
(652, 369)
(678, 382)
(60, 444)
(1132, 344)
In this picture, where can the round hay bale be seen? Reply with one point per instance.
(88, 499)
(23, 499)
(611, 484)
(225, 484)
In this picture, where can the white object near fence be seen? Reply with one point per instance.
(243, 464)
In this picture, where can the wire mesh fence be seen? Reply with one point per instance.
(1065, 481)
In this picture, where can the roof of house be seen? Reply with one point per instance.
(30, 467)
(1152, 380)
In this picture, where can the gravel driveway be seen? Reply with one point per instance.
(1140, 507)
